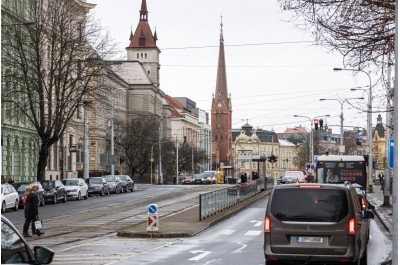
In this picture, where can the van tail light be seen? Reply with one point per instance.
(267, 225)
(352, 226)
(363, 204)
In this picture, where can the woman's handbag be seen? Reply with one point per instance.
(38, 224)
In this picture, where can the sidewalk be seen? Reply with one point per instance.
(382, 213)
(186, 223)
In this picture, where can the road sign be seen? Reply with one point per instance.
(390, 154)
(152, 209)
(152, 218)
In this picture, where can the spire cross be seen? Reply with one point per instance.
(221, 37)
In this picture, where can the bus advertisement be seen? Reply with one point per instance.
(341, 168)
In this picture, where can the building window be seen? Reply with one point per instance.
(137, 55)
(145, 55)
(141, 42)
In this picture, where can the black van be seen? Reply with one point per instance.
(315, 224)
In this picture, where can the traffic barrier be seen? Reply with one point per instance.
(152, 218)
(217, 201)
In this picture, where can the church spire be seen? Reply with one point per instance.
(143, 11)
(221, 89)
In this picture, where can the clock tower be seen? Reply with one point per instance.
(221, 115)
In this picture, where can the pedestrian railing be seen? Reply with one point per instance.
(217, 201)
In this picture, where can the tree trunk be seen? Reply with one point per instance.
(42, 163)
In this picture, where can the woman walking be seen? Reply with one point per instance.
(31, 211)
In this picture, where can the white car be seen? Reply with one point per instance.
(76, 188)
(9, 198)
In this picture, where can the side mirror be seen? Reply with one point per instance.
(43, 255)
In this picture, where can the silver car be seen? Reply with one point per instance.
(114, 183)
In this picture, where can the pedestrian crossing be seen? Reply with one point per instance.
(116, 250)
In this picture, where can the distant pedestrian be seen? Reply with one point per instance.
(382, 181)
(31, 211)
(10, 180)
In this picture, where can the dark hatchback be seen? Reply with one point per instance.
(54, 191)
(21, 189)
(127, 183)
(97, 185)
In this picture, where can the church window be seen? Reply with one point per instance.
(145, 55)
(141, 55)
(141, 42)
(148, 72)
(137, 55)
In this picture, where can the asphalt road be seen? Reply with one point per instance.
(237, 241)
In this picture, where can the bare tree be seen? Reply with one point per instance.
(135, 139)
(362, 31)
(51, 57)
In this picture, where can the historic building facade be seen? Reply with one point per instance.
(221, 115)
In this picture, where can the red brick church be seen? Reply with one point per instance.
(221, 115)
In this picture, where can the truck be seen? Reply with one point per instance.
(341, 168)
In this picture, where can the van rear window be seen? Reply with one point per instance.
(309, 205)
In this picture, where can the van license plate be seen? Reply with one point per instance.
(308, 239)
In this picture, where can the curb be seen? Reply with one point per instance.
(217, 219)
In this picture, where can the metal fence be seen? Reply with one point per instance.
(217, 201)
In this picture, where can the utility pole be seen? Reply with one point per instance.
(112, 135)
(177, 161)
(159, 157)
(389, 134)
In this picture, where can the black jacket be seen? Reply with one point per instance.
(31, 206)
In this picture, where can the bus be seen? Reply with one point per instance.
(341, 168)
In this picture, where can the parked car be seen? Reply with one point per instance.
(97, 185)
(207, 178)
(54, 191)
(187, 180)
(15, 250)
(9, 197)
(21, 189)
(76, 188)
(323, 223)
(198, 179)
(127, 183)
(114, 183)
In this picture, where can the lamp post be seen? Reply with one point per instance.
(312, 138)
(341, 149)
(369, 124)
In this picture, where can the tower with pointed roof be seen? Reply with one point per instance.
(143, 46)
(221, 114)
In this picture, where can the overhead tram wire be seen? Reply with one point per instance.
(236, 45)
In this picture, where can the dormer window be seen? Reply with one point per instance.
(141, 41)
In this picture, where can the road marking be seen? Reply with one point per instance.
(253, 233)
(227, 232)
(239, 249)
(256, 223)
(202, 255)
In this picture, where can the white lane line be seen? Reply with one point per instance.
(239, 249)
(202, 255)
(253, 233)
(227, 232)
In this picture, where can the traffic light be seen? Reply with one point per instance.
(272, 159)
(316, 124)
(184, 139)
(321, 124)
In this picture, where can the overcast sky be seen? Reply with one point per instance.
(274, 70)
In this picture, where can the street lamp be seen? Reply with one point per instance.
(369, 124)
(312, 138)
(341, 151)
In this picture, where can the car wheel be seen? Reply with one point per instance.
(55, 199)
(15, 208)
(108, 192)
(87, 195)
(65, 198)
(42, 202)
(102, 193)
(132, 189)
(3, 207)
(79, 196)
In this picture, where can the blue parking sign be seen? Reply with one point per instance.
(390, 148)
